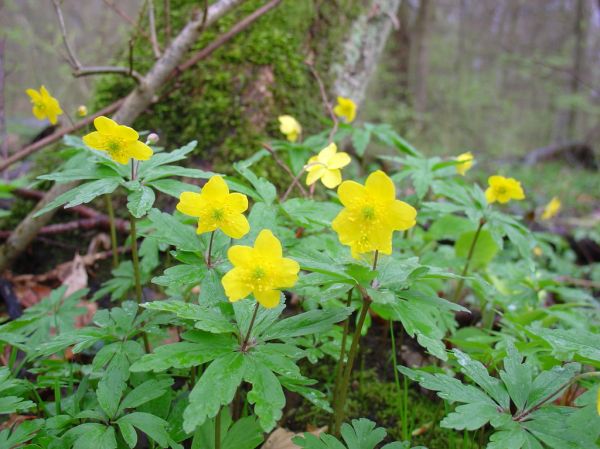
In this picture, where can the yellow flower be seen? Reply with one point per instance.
(503, 190)
(345, 108)
(44, 105)
(216, 208)
(466, 162)
(261, 270)
(119, 141)
(598, 402)
(82, 111)
(371, 215)
(289, 126)
(551, 209)
(326, 166)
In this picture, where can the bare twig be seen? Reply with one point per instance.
(325, 102)
(152, 25)
(78, 68)
(283, 165)
(167, 19)
(111, 4)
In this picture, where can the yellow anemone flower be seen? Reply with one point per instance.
(551, 209)
(44, 105)
(119, 141)
(261, 270)
(216, 208)
(345, 108)
(503, 190)
(326, 166)
(371, 214)
(290, 127)
(466, 162)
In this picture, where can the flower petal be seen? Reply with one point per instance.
(235, 226)
(190, 203)
(267, 245)
(34, 95)
(240, 255)
(401, 216)
(327, 153)
(126, 133)
(235, 286)
(288, 273)
(314, 174)
(380, 186)
(332, 178)
(490, 195)
(138, 150)
(95, 140)
(216, 187)
(238, 202)
(268, 299)
(105, 125)
(351, 192)
(206, 225)
(339, 160)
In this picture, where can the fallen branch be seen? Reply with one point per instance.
(82, 224)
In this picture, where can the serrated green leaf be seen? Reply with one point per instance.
(139, 202)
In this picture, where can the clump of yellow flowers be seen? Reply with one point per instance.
(371, 214)
(119, 141)
(44, 105)
(551, 209)
(216, 208)
(465, 163)
(327, 166)
(260, 270)
(345, 108)
(503, 190)
(290, 127)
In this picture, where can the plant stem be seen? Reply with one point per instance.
(218, 430)
(136, 272)
(247, 337)
(340, 365)
(465, 270)
(113, 230)
(397, 381)
(210, 246)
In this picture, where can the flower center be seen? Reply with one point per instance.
(368, 212)
(501, 190)
(40, 106)
(218, 214)
(258, 273)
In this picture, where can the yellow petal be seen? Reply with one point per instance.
(125, 133)
(105, 125)
(235, 226)
(496, 180)
(238, 202)
(327, 153)
(331, 178)
(314, 174)
(351, 192)
(190, 203)
(339, 160)
(34, 95)
(216, 187)
(240, 255)
(401, 216)
(95, 140)
(490, 195)
(268, 299)
(38, 113)
(205, 225)
(44, 93)
(288, 274)
(120, 157)
(267, 245)
(138, 150)
(235, 286)
(380, 186)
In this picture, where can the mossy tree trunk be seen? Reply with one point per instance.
(229, 102)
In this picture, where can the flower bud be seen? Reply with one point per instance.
(152, 139)
(82, 111)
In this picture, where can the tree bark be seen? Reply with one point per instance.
(420, 55)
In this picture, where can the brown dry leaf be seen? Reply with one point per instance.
(15, 419)
(281, 438)
(30, 294)
(84, 320)
(77, 278)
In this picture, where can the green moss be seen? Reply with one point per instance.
(229, 101)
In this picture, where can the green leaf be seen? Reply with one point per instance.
(470, 416)
(139, 202)
(151, 425)
(311, 322)
(145, 392)
(170, 231)
(360, 140)
(216, 388)
(180, 275)
(580, 342)
(484, 251)
(266, 394)
(81, 194)
(517, 378)
(550, 384)
(206, 348)
(206, 318)
(112, 384)
(173, 187)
